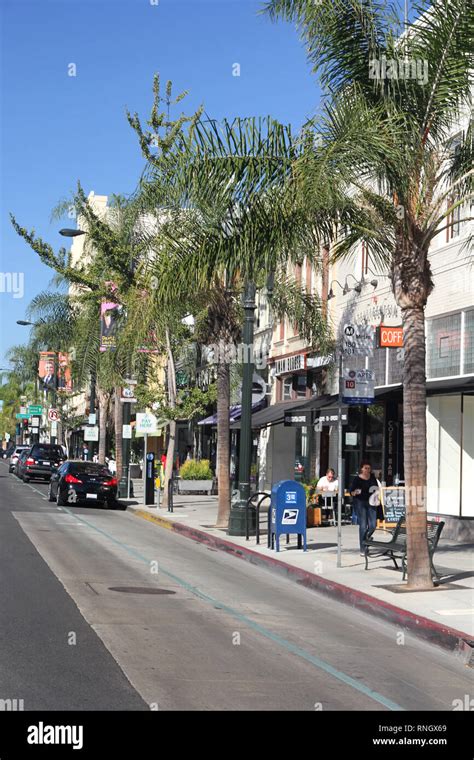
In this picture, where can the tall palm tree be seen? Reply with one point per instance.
(228, 219)
(384, 146)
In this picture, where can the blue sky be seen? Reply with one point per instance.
(57, 129)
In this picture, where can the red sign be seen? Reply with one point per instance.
(390, 337)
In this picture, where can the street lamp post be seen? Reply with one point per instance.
(238, 506)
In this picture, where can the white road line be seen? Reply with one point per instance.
(456, 612)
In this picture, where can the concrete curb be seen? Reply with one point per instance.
(435, 633)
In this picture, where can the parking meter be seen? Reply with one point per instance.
(288, 512)
(150, 479)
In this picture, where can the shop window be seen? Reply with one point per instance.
(287, 388)
(377, 362)
(444, 346)
(468, 343)
(395, 365)
(300, 386)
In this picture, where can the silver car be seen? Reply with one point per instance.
(15, 456)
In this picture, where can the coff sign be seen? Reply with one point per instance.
(391, 337)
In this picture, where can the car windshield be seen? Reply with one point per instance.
(47, 452)
(89, 468)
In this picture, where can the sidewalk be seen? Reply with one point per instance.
(444, 616)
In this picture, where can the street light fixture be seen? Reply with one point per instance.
(71, 233)
(331, 293)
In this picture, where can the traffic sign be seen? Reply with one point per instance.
(35, 409)
(358, 386)
(53, 415)
(91, 433)
(22, 416)
(146, 423)
(358, 340)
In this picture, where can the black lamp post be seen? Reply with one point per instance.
(238, 506)
(25, 323)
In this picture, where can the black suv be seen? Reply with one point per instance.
(41, 458)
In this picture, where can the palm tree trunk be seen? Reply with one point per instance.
(223, 444)
(118, 414)
(103, 408)
(415, 457)
(172, 424)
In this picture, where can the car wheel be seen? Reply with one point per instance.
(59, 500)
(25, 479)
(50, 495)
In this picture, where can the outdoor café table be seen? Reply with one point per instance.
(329, 503)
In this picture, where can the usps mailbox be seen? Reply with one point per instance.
(288, 511)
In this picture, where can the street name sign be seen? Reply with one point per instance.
(35, 409)
(22, 416)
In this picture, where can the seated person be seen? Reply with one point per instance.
(328, 482)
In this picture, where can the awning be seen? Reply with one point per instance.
(272, 415)
(234, 414)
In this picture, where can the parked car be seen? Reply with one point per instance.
(6, 453)
(42, 457)
(15, 455)
(80, 482)
(20, 462)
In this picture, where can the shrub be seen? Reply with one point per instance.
(196, 470)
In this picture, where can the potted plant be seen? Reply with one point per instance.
(313, 512)
(195, 476)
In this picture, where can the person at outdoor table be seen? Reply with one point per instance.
(328, 482)
(363, 486)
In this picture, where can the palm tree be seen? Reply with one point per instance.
(384, 150)
(227, 218)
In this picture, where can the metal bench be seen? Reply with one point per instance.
(396, 546)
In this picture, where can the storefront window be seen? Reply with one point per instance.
(444, 346)
(302, 463)
(469, 342)
(377, 363)
(395, 365)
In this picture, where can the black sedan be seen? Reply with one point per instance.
(78, 482)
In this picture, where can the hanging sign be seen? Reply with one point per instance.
(390, 337)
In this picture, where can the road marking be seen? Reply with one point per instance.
(292, 648)
(468, 611)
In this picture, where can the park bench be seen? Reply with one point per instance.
(396, 546)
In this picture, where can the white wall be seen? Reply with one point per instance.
(444, 454)
(468, 458)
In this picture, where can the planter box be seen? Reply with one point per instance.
(194, 486)
(313, 517)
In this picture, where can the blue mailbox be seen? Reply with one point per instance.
(288, 511)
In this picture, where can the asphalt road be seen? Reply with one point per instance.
(104, 611)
